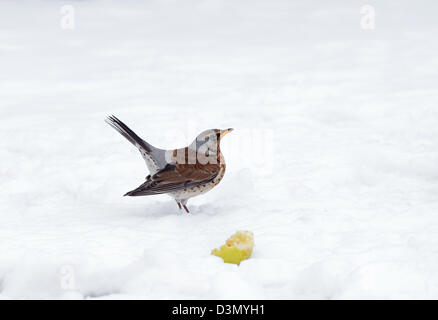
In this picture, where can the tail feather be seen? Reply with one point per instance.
(130, 135)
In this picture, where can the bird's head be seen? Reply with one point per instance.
(208, 141)
(211, 137)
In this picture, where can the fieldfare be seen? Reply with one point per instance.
(181, 173)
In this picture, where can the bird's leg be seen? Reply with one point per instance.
(184, 202)
(179, 205)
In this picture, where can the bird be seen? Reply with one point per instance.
(181, 173)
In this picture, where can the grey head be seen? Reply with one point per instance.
(209, 140)
(206, 146)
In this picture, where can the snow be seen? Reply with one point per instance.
(332, 163)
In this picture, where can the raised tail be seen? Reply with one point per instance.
(130, 135)
(155, 158)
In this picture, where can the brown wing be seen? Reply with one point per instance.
(177, 177)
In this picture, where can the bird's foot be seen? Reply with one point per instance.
(185, 208)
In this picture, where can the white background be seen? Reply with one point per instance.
(332, 164)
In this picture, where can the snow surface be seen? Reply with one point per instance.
(332, 164)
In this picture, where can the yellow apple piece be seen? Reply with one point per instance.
(237, 248)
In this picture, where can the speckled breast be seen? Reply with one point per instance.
(195, 191)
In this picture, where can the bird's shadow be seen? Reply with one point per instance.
(204, 209)
(166, 209)
(154, 210)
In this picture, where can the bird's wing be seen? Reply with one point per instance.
(176, 178)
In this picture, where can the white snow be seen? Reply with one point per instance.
(332, 163)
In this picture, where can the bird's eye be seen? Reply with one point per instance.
(207, 138)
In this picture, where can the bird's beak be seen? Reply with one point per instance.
(224, 132)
